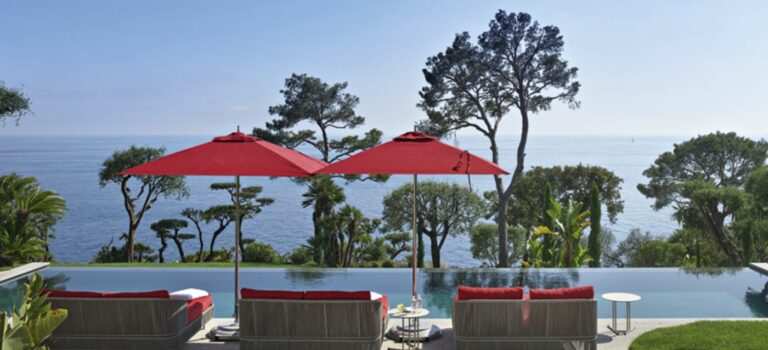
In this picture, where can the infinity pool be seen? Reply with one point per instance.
(666, 293)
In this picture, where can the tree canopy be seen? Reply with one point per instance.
(703, 179)
(443, 210)
(150, 188)
(515, 65)
(13, 103)
(570, 182)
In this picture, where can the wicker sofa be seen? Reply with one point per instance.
(316, 320)
(143, 320)
(540, 321)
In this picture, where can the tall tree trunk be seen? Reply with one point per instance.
(213, 241)
(130, 209)
(507, 193)
(435, 250)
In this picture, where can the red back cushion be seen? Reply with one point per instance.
(248, 293)
(52, 293)
(153, 294)
(337, 295)
(584, 292)
(472, 293)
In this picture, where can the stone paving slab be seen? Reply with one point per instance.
(606, 340)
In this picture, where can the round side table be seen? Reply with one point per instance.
(410, 327)
(615, 298)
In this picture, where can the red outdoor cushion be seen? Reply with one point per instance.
(337, 295)
(473, 293)
(248, 293)
(52, 293)
(196, 307)
(153, 294)
(584, 292)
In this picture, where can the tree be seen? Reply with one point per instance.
(515, 65)
(751, 221)
(398, 242)
(250, 203)
(485, 244)
(443, 210)
(171, 228)
(595, 218)
(150, 188)
(13, 103)
(310, 101)
(323, 195)
(569, 182)
(196, 216)
(703, 180)
(27, 215)
(222, 216)
(349, 230)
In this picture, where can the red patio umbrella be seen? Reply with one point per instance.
(235, 155)
(414, 153)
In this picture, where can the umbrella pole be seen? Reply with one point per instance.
(415, 252)
(237, 244)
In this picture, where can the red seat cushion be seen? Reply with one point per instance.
(337, 295)
(583, 292)
(52, 293)
(473, 293)
(248, 293)
(196, 307)
(153, 294)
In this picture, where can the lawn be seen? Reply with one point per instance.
(704, 335)
(173, 264)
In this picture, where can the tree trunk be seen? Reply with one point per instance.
(507, 193)
(163, 247)
(435, 249)
(179, 246)
(213, 241)
(132, 224)
(501, 221)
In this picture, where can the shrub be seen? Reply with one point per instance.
(260, 253)
(388, 263)
(300, 256)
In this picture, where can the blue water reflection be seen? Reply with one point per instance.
(666, 293)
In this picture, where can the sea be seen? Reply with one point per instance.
(95, 216)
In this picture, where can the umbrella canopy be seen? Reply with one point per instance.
(413, 153)
(235, 155)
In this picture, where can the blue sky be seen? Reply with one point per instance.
(203, 67)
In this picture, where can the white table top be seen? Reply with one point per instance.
(418, 313)
(621, 297)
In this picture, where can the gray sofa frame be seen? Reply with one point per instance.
(501, 324)
(124, 323)
(270, 324)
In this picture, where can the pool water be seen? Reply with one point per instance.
(665, 292)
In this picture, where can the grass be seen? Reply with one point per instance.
(172, 264)
(722, 335)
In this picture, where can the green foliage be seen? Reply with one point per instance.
(300, 255)
(32, 322)
(217, 255)
(443, 210)
(657, 253)
(703, 180)
(485, 245)
(260, 253)
(568, 225)
(323, 195)
(150, 188)
(516, 64)
(705, 335)
(27, 215)
(569, 182)
(109, 253)
(595, 218)
(310, 101)
(13, 103)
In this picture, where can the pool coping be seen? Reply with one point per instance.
(21, 271)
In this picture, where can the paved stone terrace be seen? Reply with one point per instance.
(605, 338)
